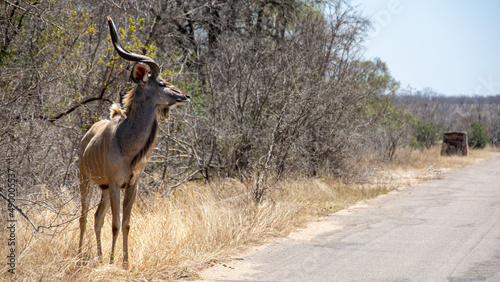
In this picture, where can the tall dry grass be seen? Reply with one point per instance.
(173, 237)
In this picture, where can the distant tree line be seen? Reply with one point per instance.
(479, 116)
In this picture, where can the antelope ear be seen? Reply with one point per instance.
(139, 73)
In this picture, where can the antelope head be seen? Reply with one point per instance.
(163, 94)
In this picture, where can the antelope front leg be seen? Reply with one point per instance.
(128, 202)
(85, 190)
(114, 197)
(100, 214)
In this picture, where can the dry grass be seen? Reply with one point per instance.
(408, 158)
(174, 237)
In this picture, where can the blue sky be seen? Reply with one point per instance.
(450, 46)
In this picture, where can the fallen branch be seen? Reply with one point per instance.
(171, 188)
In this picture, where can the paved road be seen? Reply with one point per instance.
(439, 230)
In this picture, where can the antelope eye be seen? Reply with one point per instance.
(162, 84)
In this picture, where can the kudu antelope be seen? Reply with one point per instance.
(114, 152)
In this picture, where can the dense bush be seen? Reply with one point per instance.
(427, 133)
(478, 137)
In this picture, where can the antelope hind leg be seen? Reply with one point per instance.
(128, 202)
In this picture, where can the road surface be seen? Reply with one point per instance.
(446, 229)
